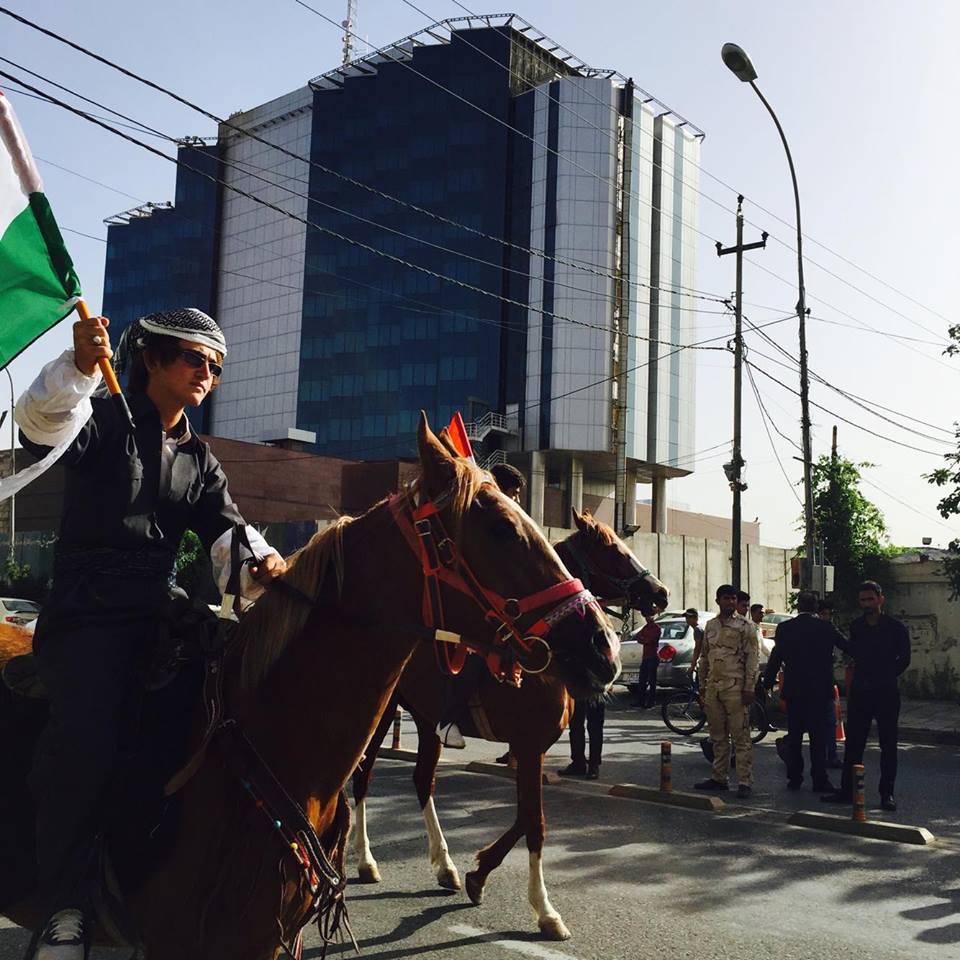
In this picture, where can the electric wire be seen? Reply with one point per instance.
(677, 289)
(764, 417)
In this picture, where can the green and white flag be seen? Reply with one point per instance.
(38, 285)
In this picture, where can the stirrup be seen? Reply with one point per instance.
(450, 736)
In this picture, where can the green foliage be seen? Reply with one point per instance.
(189, 561)
(949, 506)
(852, 528)
(13, 573)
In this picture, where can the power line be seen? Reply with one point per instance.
(899, 443)
(764, 417)
(357, 243)
(541, 59)
(862, 402)
(678, 289)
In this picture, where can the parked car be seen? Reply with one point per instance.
(18, 612)
(675, 651)
(768, 626)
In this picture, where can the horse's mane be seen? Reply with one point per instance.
(267, 629)
(600, 530)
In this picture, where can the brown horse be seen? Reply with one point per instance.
(530, 719)
(312, 670)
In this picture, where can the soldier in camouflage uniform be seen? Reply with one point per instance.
(728, 676)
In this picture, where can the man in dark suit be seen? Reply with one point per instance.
(880, 647)
(804, 645)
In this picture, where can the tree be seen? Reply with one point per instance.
(949, 506)
(189, 559)
(852, 529)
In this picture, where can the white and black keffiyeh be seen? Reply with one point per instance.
(187, 323)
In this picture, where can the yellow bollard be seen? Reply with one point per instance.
(859, 803)
(666, 768)
(396, 729)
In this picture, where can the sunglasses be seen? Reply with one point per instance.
(193, 358)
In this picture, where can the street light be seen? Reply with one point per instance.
(742, 68)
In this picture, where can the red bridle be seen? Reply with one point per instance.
(442, 563)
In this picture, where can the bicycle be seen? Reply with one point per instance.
(683, 714)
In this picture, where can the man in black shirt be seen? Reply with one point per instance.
(805, 645)
(880, 648)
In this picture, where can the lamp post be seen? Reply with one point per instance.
(739, 64)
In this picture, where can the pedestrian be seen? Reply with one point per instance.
(692, 616)
(804, 646)
(825, 610)
(743, 603)
(880, 648)
(128, 500)
(728, 676)
(589, 714)
(649, 639)
(756, 613)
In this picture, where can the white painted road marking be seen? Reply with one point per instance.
(528, 949)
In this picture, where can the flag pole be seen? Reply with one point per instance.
(109, 377)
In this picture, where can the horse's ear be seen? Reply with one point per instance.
(445, 438)
(581, 521)
(437, 463)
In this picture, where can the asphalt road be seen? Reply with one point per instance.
(634, 879)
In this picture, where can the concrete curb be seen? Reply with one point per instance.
(502, 770)
(692, 801)
(392, 754)
(875, 829)
(935, 738)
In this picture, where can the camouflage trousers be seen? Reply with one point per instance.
(729, 720)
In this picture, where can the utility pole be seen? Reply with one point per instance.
(734, 469)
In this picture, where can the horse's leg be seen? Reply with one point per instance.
(490, 857)
(425, 780)
(367, 869)
(531, 813)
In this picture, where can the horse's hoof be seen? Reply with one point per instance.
(368, 873)
(553, 928)
(449, 879)
(475, 888)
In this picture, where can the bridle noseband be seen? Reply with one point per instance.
(443, 564)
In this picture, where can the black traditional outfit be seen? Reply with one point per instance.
(127, 501)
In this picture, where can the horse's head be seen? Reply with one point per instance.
(608, 567)
(527, 595)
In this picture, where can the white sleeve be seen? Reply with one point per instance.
(57, 403)
(220, 559)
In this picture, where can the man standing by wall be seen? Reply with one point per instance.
(805, 644)
(728, 675)
(880, 647)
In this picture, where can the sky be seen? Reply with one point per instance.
(866, 91)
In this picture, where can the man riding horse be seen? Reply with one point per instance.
(128, 499)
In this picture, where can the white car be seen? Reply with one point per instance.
(20, 613)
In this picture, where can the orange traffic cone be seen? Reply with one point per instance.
(839, 735)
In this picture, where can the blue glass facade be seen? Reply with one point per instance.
(167, 258)
(382, 340)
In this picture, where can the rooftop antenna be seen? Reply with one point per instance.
(348, 27)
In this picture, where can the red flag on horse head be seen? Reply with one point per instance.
(458, 434)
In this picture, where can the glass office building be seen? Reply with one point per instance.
(163, 256)
(469, 219)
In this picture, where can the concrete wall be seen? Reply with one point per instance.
(919, 596)
(693, 568)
